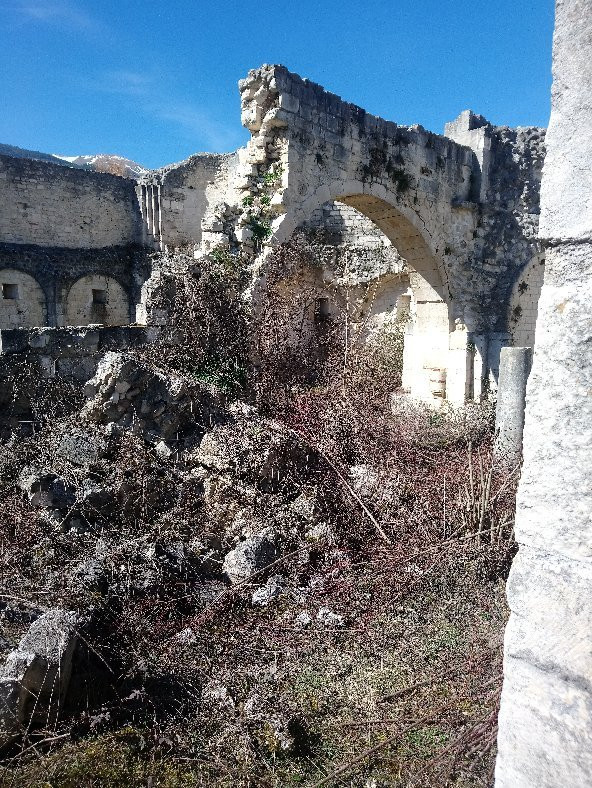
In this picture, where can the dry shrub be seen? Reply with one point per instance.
(381, 658)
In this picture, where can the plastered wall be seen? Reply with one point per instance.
(22, 301)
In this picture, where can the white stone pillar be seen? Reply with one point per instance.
(514, 369)
(159, 202)
(545, 733)
(155, 214)
(149, 212)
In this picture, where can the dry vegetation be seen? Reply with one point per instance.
(371, 654)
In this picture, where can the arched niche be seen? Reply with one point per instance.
(22, 301)
(97, 299)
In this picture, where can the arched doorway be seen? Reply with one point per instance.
(437, 356)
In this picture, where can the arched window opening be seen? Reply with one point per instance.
(22, 301)
(96, 299)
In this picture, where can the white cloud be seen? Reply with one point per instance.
(152, 99)
(126, 83)
(55, 12)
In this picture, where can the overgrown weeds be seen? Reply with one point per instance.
(375, 657)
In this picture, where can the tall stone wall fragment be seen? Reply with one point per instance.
(50, 205)
(34, 679)
(545, 738)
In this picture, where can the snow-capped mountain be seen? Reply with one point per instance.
(106, 162)
(102, 162)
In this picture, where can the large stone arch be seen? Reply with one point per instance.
(309, 147)
(437, 360)
(440, 199)
(98, 299)
(22, 301)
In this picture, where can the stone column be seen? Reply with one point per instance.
(159, 200)
(545, 735)
(514, 369)
(149, 212)
(155, 213)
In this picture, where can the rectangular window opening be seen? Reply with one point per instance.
(99, 296)
(9, 292)
(322, 311)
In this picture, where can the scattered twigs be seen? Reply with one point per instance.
(350, 490)
(349, 765)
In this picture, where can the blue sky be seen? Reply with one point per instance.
(157, 81)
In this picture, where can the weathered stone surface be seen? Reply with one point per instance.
(462, 212)
(35, 677)
(51, 205)
(515, 364)
(544, 740)
(255, 452)
(157, 406)
(457, 215)
(566, 199)
(545, 735)
(268, 592)
(53, 285)
(248, 557)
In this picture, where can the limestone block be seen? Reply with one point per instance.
(289, 103)
(249, 556)
(565, 617)
(35, 677)
(545, 734)
(566, 196)
(543, 721)
(555, 496)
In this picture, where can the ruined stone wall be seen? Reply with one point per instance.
(342, 224)
(506, 234)
(461, 210)
(70, 352)
(175, 199)
(545, 723)
(49, 205)
(524, 302)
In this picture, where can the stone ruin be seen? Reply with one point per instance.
(438, 230)
(448, 225)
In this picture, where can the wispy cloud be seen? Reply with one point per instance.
(151, 98)
(54, 12)
(198, 123)
(124, 83)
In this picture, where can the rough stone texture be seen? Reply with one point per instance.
(524, 303)
(464, 219)
(545, 737)
(182, 194)
(248, 557)
(22, 301)
(457, 214)
(35, 677)
(45, 204)
(515, 365)
(70, 352)
(160, 408)
(56, 270)
(97, 299)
